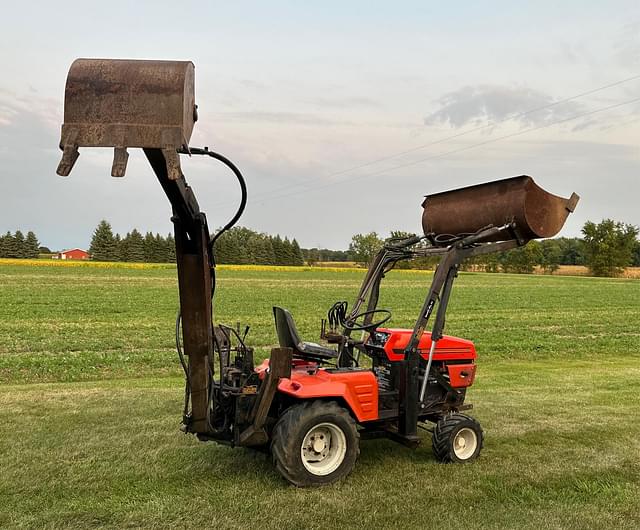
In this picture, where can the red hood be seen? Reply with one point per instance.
(447, 348)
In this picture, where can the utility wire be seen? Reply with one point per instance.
(266, 195)
(481, 127)
(459, 150)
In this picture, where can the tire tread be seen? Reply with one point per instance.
(283, 445)
(441, 440)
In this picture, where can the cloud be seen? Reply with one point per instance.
(493, 103)
(627, 47)
(346, 102)
(31, 107)
(276, 118)
(252, 84)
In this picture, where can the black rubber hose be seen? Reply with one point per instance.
(241, 181)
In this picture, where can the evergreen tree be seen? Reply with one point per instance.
(161, 254)
(149, 248)
(297, 253)
(103, 247)
(5, 245)
(31, 245)
(12, 246)
(170, 246)
(20, 245)
(261, 250)
(252, 249)
(225, 250)
(279, 252)
(136, 246)
(117, 244)
(124, 247)
(288, 252)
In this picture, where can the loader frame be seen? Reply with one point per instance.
(411, 392)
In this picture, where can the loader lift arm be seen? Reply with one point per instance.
(453, 253)
(411, 391)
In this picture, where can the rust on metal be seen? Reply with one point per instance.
(534, 212)
(128, 103)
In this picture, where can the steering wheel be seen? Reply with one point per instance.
(351, 324)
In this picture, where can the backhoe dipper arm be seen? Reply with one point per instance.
(125, 103)
(195, 265)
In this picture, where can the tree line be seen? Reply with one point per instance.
(606, 248)
(239, 246)
(18, 246)
(150, 248)
(242, 245)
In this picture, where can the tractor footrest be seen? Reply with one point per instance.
(409, 440)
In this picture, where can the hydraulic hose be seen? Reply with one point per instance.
(241, 181)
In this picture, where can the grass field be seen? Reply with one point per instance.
(90, 404)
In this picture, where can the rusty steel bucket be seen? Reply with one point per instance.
(534, 212)
(128, 103)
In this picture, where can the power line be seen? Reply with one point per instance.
(461, 149)
(266, 195)
(482, 127)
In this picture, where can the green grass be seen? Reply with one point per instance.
(91, 392)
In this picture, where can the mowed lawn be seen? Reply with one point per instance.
(91, 398)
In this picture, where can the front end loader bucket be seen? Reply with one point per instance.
(128, 103)
(531, 211)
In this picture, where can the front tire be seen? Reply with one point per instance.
(457, 438)
(315, 443)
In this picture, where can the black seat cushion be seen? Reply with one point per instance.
(288, 337)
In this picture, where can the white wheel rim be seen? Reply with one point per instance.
(323, 449)
(465, 443)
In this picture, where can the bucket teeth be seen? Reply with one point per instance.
(69, 156)
(174, 172)
(120, 158)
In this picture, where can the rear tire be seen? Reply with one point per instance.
(457, 438)
(315, 443)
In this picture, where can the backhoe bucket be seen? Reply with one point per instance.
(126, 103)
(533, 212)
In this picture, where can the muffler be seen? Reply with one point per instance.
(128, 103)
(533, 212)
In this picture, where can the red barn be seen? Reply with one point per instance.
(74, 253)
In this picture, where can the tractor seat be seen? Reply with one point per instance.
(288, 337)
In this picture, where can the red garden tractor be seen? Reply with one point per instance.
(308, 404)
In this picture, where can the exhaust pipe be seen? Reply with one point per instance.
(533, 212)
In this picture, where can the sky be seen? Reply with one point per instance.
(341, 115)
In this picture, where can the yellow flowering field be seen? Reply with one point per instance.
(143, 266)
